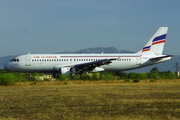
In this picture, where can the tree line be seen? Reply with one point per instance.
(10, 78)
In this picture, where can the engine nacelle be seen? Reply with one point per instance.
(63, 70)
(98, 69)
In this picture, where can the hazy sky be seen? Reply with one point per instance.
(50, 26)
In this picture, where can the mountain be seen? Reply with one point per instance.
(166, 66)
(97, 50)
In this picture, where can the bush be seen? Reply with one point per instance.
(107, 76)
(33, 83)
(77, 77)
(142, 76)
(170, 75)
(21, 76)
(45, 79)
(136, 80)
(121, 75)
(126, 80)
(95, 76)
(35, 76)
(155, 76)
(152, 80)
(132, 75)
(7, 79)
(62, 77)
(85, 77)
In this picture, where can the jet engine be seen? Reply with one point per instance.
(64, 70)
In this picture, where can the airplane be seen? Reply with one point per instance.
(72, 64)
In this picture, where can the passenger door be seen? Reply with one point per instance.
(27, 61)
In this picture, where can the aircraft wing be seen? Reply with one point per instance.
(89, 66)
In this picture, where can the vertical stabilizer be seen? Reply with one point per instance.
(156, 43)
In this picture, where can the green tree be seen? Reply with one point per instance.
(142, 76)
(155, 74)
(132, 75)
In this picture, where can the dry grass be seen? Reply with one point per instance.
(91, 100)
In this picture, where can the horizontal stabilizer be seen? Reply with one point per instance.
(159, 58)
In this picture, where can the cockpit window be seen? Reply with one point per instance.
(14, 60)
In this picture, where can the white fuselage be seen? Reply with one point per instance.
(47, 62)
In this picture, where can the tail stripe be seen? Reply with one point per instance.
(156, 40)
(159, 38)
(146, 48)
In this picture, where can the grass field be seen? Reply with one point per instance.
(91, 100)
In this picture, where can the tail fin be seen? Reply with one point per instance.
(156, 43)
